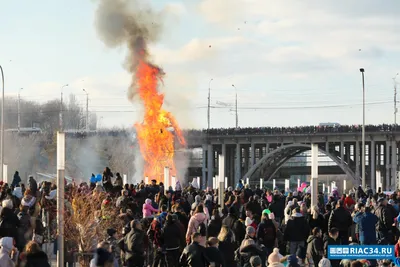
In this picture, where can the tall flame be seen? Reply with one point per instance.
(156, 141)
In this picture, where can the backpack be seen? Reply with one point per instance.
(269, 234)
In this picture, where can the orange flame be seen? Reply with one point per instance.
(155, 140)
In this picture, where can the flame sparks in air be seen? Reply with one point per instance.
(155, 138)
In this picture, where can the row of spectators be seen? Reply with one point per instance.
(295, 130)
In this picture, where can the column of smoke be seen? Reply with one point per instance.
(130, 24)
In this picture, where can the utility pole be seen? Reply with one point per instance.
(19, 109)
(395, 99)
(61, 107)
(87, 110)
(236, 106)
(363, 132)
(2, 126)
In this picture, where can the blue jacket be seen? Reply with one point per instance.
(366, 222)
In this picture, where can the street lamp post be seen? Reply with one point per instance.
(19, 109)
(395, 99)
(87, 110)
(363, 133)
(61, 107)
(2, 125)
(236, 106)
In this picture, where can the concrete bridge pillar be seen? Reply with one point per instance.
(341, 152)
(210, 165)
(357, 158)
(238, 164)
(373, 165)
(252, 155)
(394, 165)
(387, 165)
(204, 167)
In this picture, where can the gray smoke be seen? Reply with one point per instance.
(130, 24)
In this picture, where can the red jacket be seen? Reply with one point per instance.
(397, 250)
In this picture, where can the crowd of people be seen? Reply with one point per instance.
(295, 130)
(252, 227)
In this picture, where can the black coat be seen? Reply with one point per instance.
(297, 229)
(330, 241)
(194, 255)
(319, 222)
(8, 223)
(227, 248)
(214, 255)
(37, 259)
(134, 244)
(214, 227)
(341, 219)
(172, 236)
(278, 207)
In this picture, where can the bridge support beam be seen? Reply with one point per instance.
(373, 165)
(210, 165)
(252, 155)
(394, 166)
(314, 175)
(341, 152)
(204, 168)
(238, 163)
(357, 158)
(387, 160)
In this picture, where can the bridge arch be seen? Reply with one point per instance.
(268, 165)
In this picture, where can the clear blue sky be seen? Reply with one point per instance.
(285, 58)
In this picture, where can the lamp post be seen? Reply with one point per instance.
(87, 110)
(363, 132)
(61, 107)
(395, 99)
(2, 125)
(19, 109)
(236, 106)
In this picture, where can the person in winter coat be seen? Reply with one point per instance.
(274, 259)
(277, 207)
(148, 209)
(194, 255)
(16, 180)
(35, 256)
(118, 181)
(288, 211)
(213, 253)
(327, 215)
(227, 245)
(316, 219)
(332, 239)
(134, 245)
(24, 229)
(384, 226)
(198, 220)
(174, 240)
(267, 233)
(249, 247)
(366, 222)
(214, 226)
(341, 219)
(315, 246)
(113, 241)
(296, 231)
(106, 179)
(6, 247)
(33, 186)
(9, 222)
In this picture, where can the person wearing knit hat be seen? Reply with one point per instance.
(324, 262)
(274, 259)
(250, 231)
(292, 261)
